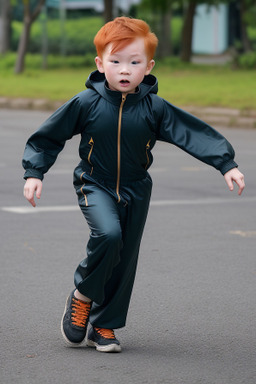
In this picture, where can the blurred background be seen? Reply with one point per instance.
(37, 36)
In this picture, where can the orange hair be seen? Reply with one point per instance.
(121, 32)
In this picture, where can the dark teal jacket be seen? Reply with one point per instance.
(117, 135)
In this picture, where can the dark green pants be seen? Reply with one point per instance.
(107, 274)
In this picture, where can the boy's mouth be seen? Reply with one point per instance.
(125, 82)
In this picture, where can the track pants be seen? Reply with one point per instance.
(107, 274)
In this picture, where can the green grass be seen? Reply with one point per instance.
(217, 86)
(59, 84)
(181, 85)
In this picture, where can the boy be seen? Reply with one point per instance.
(119, 117)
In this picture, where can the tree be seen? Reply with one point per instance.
(158, 13)
(165, 42)
(246, 13)
(187, 31)
(29, 17)
(108, 10)
(5, 25)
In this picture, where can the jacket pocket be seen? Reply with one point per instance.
(91, 143)
(82, 197)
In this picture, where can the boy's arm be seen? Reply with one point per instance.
(45, 144)
(31, 187)
(234, 175)
(195, 137)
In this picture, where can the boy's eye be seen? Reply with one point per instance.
(115, 61)
(135, 62)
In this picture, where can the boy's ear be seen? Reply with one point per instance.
(99, 64)
(150, 66)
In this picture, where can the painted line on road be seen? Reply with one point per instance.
(28, 210)
(207, 201)
(244, 233)
(154, 203)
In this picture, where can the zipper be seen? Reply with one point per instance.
(91, 142)
(119, 148)
(147, 149)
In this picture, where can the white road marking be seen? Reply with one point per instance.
(54, 208)
(154, 203)
(207, 201)
(244, 233)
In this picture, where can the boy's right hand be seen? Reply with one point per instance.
(31, 186)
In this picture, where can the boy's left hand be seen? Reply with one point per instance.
(234, 175)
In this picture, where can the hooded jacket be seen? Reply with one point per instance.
(118, 133)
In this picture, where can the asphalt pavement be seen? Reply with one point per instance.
(192, 318)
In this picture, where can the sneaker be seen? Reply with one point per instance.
(75, 320)
(103, 339)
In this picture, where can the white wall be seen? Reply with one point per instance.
(210, 35)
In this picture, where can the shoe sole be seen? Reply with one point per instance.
(104, 348)
(69, 343)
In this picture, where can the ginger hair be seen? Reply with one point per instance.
(121, 32)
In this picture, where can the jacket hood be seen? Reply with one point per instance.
(97, 82)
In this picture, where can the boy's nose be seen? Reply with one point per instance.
(124, 71)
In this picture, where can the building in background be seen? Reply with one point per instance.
(216, 28)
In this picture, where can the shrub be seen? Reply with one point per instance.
(7, 61)
(247, 60)
(34, 61)
(78, 35)
(77, 38)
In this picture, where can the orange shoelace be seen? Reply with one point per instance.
(80, 312)
(106, 333)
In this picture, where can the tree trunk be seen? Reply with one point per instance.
(23, 46)
(165, 41)
(108, 10)
(29, 18)
(187, 32)
(5, 25)
(244, 35)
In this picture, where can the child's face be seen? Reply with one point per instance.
(125, 69)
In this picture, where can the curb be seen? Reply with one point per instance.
(227, 117)
(32, 104)
(224, 117)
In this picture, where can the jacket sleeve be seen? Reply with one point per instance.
(195, 137)
(43, 147)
